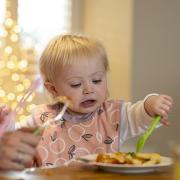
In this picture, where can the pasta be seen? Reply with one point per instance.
(129, 158)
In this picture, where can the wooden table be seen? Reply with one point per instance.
(84, 173)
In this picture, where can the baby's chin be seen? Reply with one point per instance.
(88, 110)
(75, 112)
(81, 111)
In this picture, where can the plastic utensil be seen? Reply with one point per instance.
(23, 101)
(144, 137)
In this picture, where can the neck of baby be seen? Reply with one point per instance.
(78, 117)
(73, 113)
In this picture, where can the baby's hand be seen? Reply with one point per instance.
(4, 111)
(159, 105)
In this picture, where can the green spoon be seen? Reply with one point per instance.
(144, 137)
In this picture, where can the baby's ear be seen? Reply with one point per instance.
(51, 89)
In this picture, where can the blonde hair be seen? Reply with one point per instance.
(67, 49)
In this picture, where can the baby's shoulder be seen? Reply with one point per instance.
(41, 108)
(112, 103)
(43, 112)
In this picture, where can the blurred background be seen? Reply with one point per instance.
(141, 38)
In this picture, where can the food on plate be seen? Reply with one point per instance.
(129, 158)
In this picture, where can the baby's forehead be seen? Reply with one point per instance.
(81, 66)
(77, 77)
(82, 73)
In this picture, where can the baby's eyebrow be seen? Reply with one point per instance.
(73, 78)
(98, 72)
(81, 77)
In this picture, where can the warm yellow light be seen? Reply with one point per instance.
(20, 111)
(5, 72)
(30, 98)
(23, 64)
(30, 107)
(1, 81)
(9, 22)
(19, 97)
(4, 100)
(3, 33)
(24, 70)
(2, 93)
(20, 87)
(15, 77)
(2, 64)
(16, 29)
(11, 96)
(13, 105)
(29, 42)
(26, 83)
(22, 118)
(14, 64)
(14, 37)
(13, 58)
(8, 49)
(8, 4)
(10, 65)
(8, 13)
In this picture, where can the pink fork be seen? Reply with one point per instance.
(11, 116)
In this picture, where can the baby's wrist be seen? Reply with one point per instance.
(148, 105)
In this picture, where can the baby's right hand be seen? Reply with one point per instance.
(4, 111)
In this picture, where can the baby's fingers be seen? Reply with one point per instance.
(168, 98)
(165, 108)
(162, 112)
(165, 122)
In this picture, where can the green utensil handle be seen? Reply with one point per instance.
(37, 131)
(153, 126)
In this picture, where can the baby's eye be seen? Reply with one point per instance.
(75, 85)
(97, 81)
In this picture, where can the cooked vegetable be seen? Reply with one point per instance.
(129, 158)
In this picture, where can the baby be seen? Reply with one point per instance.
(76, 67)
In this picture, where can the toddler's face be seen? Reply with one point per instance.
(85, 83)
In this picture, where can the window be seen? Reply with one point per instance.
(2, 10)
(41, 20)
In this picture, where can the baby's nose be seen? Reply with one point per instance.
(87, 89)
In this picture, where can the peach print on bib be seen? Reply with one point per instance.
(97, 133)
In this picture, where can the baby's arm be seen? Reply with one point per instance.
(136, 118)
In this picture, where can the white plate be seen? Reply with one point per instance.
(165, 164)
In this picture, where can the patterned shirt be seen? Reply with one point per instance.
(104, 130)
(77, 136)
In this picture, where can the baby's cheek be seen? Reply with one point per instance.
(75, 103)
(74, 108)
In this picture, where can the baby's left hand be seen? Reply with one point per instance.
(159, 105)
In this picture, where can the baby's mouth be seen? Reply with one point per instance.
(88, 103)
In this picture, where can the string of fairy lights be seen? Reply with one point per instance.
(17, 64)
